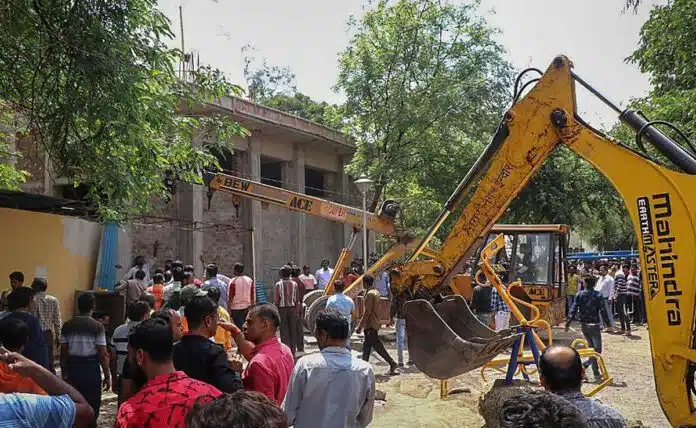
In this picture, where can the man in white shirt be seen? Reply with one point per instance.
(308, 280)
(323, 274)
(605, 287)
(330, 388)
(141, 264)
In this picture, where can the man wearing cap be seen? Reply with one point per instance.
(185, 296)
(196, 355)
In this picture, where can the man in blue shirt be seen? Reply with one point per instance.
(382, 284)
(64, 407)
(343, 304)
(561, 373)
(212, 280)
(19, 302)
(590, 304)
(330, 388)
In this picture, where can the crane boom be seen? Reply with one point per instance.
(381, 222)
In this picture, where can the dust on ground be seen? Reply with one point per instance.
(413, 400)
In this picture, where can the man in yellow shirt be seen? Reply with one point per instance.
(222, 336)
(574, 282)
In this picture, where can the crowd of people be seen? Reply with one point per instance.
(172, 362)
(203, 353)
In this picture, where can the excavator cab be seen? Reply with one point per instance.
(536, 255)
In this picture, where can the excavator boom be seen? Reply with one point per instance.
(660, 201)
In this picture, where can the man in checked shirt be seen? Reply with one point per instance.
(47, 310)
(500, 310)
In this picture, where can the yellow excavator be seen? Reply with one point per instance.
(660, 200)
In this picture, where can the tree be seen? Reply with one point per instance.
(94, 81)
(265, 81)
(301, 105)
(568, 190)
(275, 86)
(10, 177)
(671, 62)
(425, 84)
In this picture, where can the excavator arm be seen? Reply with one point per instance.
(660, 201)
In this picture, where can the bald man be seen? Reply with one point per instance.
(561, 372)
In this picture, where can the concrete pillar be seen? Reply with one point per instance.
(244, 167)
(343, 185)
(255, 219)
(299, 221)
(189, 200)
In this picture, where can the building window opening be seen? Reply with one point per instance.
(73, 193)
(226, 159)
(314, 183)
(271, 173)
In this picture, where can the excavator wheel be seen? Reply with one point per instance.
(308, 300)
(313, 311)
(447, 340)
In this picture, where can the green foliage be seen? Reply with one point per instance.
(425, 85)
(275, 86)
(301, 105)
(10, 177)
(667, 51)
(568, 190)
(96, 83)
(265, 81)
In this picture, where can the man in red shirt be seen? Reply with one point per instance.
(270, 362)
(168, 395)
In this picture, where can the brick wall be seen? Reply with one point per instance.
(276, 246)
(320, 242)
(143, 236)
(225, 235)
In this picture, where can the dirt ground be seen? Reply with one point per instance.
(413, 400)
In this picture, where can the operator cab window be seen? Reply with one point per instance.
(533, 257)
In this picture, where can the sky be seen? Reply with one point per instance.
(308, 35)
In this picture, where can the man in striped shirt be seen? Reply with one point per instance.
(622, 298)
(118, 346)
(286, 298)
(635, 292)
(47, 310)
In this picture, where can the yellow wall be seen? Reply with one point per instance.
(64, 250)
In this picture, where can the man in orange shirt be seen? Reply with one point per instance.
(13, 336)
(157, 290)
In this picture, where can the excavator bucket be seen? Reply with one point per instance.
(448, 340)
